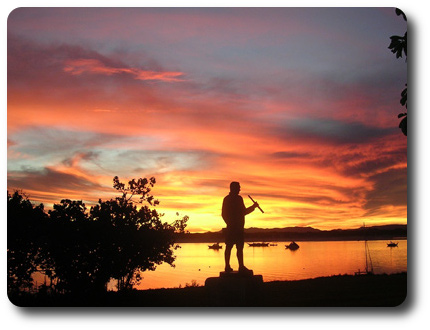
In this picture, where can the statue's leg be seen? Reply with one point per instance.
(239, 253)
(239, 246)
(227, 254)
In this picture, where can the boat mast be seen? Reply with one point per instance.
(367, 252)
(365, 246)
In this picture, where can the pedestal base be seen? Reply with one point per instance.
(235, 289)
(236, 274)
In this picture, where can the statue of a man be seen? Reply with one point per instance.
(233, 213)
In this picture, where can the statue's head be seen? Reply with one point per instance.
(235, 187)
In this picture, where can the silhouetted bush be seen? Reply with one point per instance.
(24, 231)
(82, 251)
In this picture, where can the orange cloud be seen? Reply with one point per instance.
(314, 149)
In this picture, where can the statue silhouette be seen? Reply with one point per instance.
(233, 213)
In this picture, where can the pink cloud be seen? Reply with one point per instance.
(315, 149)
(94, 66)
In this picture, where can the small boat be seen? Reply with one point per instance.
(292, 246)
(392, 244)
(215, 246)
(258, 244)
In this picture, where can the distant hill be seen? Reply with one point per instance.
(282, 230)
(303, 234)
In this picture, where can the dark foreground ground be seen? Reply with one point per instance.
(334, 291)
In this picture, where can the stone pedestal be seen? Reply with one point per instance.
(235, 289)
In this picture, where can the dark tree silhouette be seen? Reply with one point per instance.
(74, 255)
(140, 187)
(82, 251)
(398, 46)
(141, 241)
(24, 223)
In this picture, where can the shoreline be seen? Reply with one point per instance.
(386, 232)
(380, 290)
(334, 239)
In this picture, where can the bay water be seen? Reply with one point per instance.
(195, 262)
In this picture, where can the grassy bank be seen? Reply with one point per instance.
(334, 291)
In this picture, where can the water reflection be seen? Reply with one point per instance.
(195, 262)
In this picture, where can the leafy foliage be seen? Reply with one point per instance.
(399, 46)
(82, 251)
(141, 187)
(24, 223)
(142, 241)
(404, 122)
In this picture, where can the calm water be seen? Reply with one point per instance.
(195, 262)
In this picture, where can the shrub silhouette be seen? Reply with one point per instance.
(137, 238)
(82, 251)
(24, 223)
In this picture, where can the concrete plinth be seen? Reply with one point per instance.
(235, 289)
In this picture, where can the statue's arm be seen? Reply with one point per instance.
(249, 209)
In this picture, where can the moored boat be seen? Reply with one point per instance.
(392, 244)
(215, 246)
(292, 246)
(258, 244)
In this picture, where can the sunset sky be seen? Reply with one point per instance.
(297, 104)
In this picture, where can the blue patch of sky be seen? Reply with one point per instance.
(331, 39)
(42, 146)
(104, 154)
(337, 131)
(131, 163)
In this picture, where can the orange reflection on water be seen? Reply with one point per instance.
(195, 262)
